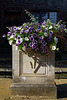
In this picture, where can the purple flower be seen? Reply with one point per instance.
(41, 37)
(26, 31)
(46, 50)
(49, 39)
(30, 44)
(14, 28)
(42, 50)
(44, 46)
(36, 49)
(41, 46)
(17, 45)
(3, 35)
(26, 27)
(62, 27)
(40, 23)
(50, 32)
(39, 30)
(42, 41)
(18, 37)
(35, 42)
(35, 35)
(39, 27)
(8, 34)
(30, 30)
(21, 31)
(31, 25)
(30, 35)
(13, 33)
(10, 28)
(25, 44)
(46, 29)
(31, 38)
(43, 24)
(50, 35)
(19, 42)
(35, 30)
(34, 46)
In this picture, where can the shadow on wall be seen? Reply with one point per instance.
(62, 91)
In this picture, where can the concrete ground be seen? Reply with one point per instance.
(5, 91)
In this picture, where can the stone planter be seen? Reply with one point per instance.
(33, 75)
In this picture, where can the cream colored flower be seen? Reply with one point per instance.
(26, 38)
(50, 27)
(53, 47)
(46, 34)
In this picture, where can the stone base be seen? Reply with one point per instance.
(34, 90)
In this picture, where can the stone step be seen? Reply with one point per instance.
(27, 98)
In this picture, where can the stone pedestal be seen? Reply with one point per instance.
(33, 74)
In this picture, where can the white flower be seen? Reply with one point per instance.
(19, 28)
(11, 37)
(43, 24)
(53, 47)
(50, 27)
(14, 28)
(56, 39)
(26, 38)
(46, 34)
(16, 41)
(10, 42)
(24, 24)
(21, 39)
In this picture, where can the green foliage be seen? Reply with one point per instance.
(32, 18)
(38, 36)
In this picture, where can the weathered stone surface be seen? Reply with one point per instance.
(36, 90)
(33, 75)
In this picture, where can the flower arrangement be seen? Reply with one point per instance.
(39, 36)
